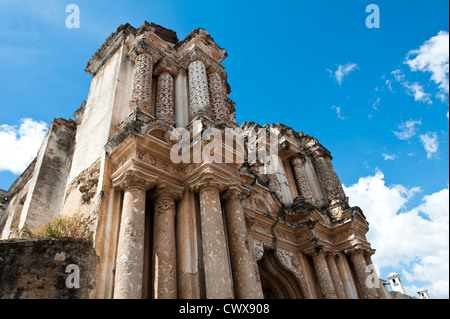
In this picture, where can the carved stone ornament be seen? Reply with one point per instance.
(163, 204)
(142, 85)
(328, 178)
(292, 263)
(198, 87)
(165, 99)
(302, 180)
(258, 249)
(218, 98)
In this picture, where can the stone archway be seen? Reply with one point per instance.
(277, 282)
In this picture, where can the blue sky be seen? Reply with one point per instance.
(376, 98)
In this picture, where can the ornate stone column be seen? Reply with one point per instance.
(359, 263)
(142, 84)
(164, 99)
(327, 176)
(164, 246)
(302, 180)
(217, 94)
(165, 102)
(324, 276)
(198, 89)
(130, 250)
(215, 252)
(335, 276)
(246, 284)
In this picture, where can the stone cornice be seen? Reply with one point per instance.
(133, 176)
(200, 39)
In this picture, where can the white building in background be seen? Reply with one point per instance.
(395, 282)
(423, 293)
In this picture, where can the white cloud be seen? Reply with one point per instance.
(430, 143)
(407, 129)
(376, 103)
(388, 157)
(417, 91)
(414, 243)
(433, 57)
(339, 112)
(414, 89)
(398, 75)
(20, 144)
(342, 71)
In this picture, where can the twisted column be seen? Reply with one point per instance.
(302, 180)
(328, 177)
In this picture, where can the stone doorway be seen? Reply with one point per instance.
(277, 282)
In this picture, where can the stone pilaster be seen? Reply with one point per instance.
(142, 84)
(164, 247)
(198, 90)
(324, 276)
(246, 284)
(218, 97)
(215, 252)
(359, 263)
(302, 180)
(335, 276)
(164, 98)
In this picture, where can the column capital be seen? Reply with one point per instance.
(168, 190)
(318, 250)
(142, 47)
(216, 68)
(298, 161)
(321, 152)
(166, 66)
(357, 250)
(209, 181)
(331, 254)
(196, 55)
(236, 193)
(134, 177)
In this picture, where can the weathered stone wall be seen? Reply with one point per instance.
(36, 269)
(3, 204)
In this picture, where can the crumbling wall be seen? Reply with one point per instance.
(46, 269)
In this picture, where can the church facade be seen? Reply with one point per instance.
(195, 227)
